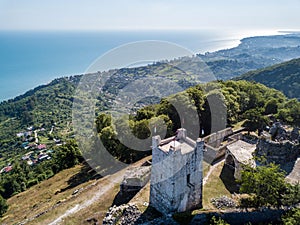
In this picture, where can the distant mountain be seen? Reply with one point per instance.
(284, 77)
(251, 54)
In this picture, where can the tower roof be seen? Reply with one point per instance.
(179, 142)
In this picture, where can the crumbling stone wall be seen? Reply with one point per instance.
(278, 152)
(215, 139)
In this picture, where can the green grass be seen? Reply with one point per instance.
(214, 187)
(206, 167)
(39, 197)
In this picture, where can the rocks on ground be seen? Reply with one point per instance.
(223, 202)
(126, 214)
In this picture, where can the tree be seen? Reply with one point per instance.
(68, 155)
(3, 206)
(271, 106)
(265, 185)
(145, 113)
(255, 119)
(290, 112)
(102, 121)
(292, 217)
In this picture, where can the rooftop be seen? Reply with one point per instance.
(242, 151)
(178, 144)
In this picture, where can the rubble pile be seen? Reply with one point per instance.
(223, 202)
(124, 215)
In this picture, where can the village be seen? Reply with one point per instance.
(35, 151)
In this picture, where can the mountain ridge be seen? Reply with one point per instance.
(284, 77)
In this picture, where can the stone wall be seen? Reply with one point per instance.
(215, 139)
(130, 214)
(176, 178)
(135, 178)
(212, 154)
(278, 152)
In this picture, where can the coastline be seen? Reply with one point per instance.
(207, 45)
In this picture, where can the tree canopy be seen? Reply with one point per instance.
(266, 186)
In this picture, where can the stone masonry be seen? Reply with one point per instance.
(278, 152)
(176, 176)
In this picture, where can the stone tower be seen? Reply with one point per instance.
(176, 175)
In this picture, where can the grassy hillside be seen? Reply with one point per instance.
(45, 107)
(284, 77)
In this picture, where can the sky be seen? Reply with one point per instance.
(144, 14)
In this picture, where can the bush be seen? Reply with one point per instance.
(49, 173)
(32, 182)
(292, 217)
(217, 221)
(42, 177)
(3, 206)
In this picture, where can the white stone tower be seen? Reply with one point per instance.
(176, 175)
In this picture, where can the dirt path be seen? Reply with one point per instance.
(36, 136)
(294, 175)
(102, 190)
(50, 132)
(211, 169)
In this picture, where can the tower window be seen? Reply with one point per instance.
(188, 179)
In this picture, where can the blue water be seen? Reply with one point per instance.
(28, 59)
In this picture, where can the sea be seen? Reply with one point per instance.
(32, 58)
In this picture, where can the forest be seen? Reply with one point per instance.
(243, 101)
(251, 103)
(283, 77)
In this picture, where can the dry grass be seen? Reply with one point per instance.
(206, 167)
(40, 197)
(96, 210)
(57, 189)
(142, 198)
(214, 187)
(44, 196)
(238, 125)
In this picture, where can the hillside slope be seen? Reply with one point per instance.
(51, 105)
(284, 77)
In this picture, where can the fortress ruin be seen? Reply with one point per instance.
(176, 176)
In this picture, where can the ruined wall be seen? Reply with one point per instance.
(169, 189)
(212, 154)
(135, 178)
(278, 152)
(215, 139)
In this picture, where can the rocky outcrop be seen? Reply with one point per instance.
(127, 214)
(278, 152)
(223, 202)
